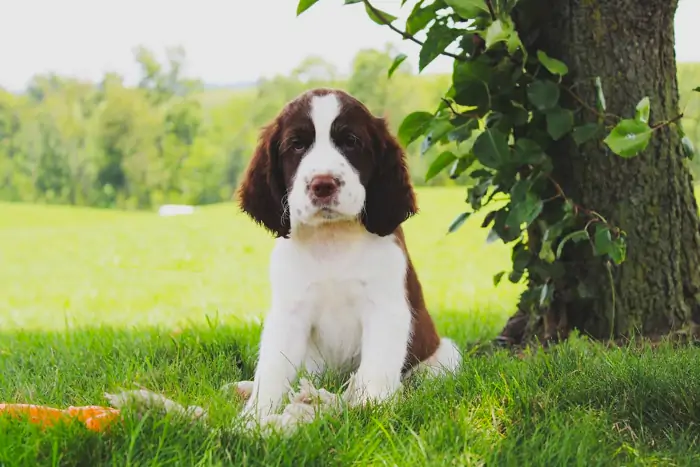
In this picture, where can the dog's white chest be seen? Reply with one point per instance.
(336, 322)
(329, 283)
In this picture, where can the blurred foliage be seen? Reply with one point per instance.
(170, 139)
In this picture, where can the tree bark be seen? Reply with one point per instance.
(629, 44)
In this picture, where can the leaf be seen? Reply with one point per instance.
(575, 237)
(439, 37)
(476, 193)
(602, 240)
(618, 252)
(440, 162)
(585, 132)
(460, 165)
(544, 95)
(474, 94)
(605, 244)
(420, 17)
(498, 31)
(468, 9)
(688, 149)
(628, 138)
(457, 222)
(514, 43)
(378, 16)
(398, 60)
(520, 257)
(559, 122)
(491, 148)
(554, 66)
(463, 132)
(526, 211)
(305, 5)
(413, 126)
(697, 89)
(528, 151)
(641, 112)
(546, 253)
(600, 97)
(544, 294)
(437, 129)
(497, 278)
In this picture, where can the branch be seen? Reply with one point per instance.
(667, 122)
(448, 103)
(491, 10)
(406, 35)
(588, 107)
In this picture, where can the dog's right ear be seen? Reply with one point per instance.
(261, 192)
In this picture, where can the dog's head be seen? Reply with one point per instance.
(326, 158)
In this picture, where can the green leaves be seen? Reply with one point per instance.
(552, 65)
(605, 244)
(559, 122)
(628, 138)
(599, 95)
(525, 211)
(378, 16)
(436, 131)
(469, 80)
(585, 132)
(420, 16)
(491, 148)
(468, 9)
(305, 5)
(697, 89)
(544, 95)
(688, 149)
(439, 37)
(460, 165)
(413, 126)
(458, 221)
(443, 160)
(642, 110)
(498, 31)
(398, 60)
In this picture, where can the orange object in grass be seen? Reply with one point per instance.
(94, 417)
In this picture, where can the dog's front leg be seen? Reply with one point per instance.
(386, 328)
(283, 345)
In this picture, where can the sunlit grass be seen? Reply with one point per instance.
(77, 266)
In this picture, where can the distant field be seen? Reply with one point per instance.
(167, 302)
(85, 267)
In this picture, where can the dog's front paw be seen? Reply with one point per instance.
(361, 392)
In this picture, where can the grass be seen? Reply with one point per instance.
(91, 301)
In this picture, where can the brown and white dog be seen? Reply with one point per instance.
(331, 183)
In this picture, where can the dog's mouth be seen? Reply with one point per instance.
(328, 212)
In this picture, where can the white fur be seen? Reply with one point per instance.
(323, 158)
(338, 292)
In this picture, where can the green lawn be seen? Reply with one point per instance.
(91, 301)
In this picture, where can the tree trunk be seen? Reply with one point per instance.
(629, 44)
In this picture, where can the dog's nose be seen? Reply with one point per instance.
(324, 186)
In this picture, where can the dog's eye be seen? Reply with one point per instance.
(349, 140)
(298, 145)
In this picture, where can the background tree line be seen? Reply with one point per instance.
(170, 139)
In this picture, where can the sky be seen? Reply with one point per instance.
(226, 41)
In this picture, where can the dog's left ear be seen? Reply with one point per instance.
(261, 193)
(390, 198)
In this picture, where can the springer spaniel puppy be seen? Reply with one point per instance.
(331, 183)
